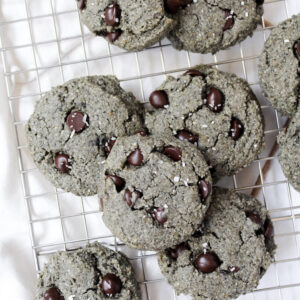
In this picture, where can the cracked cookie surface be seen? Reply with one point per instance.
(279, 66)
(227, 255)
(91, 273)
(132, 25)
(289, 155)
(154, 191)
(214, 110)
(72, 123)
(207, 26)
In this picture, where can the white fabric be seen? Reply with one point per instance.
(17, 271)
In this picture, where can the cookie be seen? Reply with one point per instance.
(227, 255)
(279, 67)
(289, 155)
(214, 110)
(207, 26)
(91, 273)
(154, 191)
(72, 127)
(130, 24)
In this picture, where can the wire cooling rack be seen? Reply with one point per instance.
(50, 46)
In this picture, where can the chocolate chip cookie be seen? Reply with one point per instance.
(279, 67)
(90, 273)
(73, 126)
(227, 255)
(289, 155)
(130, 24)
(154, 191)
(213, 110)
(211, 25)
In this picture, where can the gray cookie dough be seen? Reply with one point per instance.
(195, 106)
(279, 67)
(207, 26)
(108, 112)
(134, 25)
(82, 274)
(289, 155)
(228, 255)
(163, 197)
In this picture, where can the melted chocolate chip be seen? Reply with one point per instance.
(132, 197)
(118, 181)
(198, 232)
(297, 49)
(236, 129)
(160, 214)
(53, 294)
(159, 99)
(255, 218)
(229, 20)
(113, 15)
(269, 229)
(111, 284)
(101, 204)
(215, 100)
(109, 145)
(173, 152)
(136, 158)
(175, 252)
(207, 262)
(81, 4)
(185, 135)
(204, 189)
(113, 36)
(193, 73)
(62, 163)
(233, 269)
(77, 121)
(172, 6)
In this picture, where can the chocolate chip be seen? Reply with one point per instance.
(111, 284)
(185, 135)
(269, 229)
(234, 269)
(215, 100)
(255, 218)
(113, 36)
(172, 6)
(113, 15)
(62, 163)
(118, 181)
(175, 252)
(77, 121)
(132, 197)
(81, 4)
(136, 157)
(160, 214)
(207, 262)
(109, 145)
(297, 49)
(193, 73)
(173, 152)
(236, 129)
(204, 189)
(229, 20)
(53, 294)
(159, 99)
(142, 132)
(259, 2)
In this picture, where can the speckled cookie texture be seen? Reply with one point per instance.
(279, 66)
(91, 273)
(228, 255)
(211, 25)
(214, 110)
(289, 155)
(68, 132)
(154, 191)
(133, 25)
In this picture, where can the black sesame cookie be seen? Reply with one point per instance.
(211, 25)
(154, 191)
(214, 110)
(289, 155)
(279, 66)
(130, 24)
(73, 127)
(91, 273)
(227, 255)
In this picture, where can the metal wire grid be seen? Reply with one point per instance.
(44, 249)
